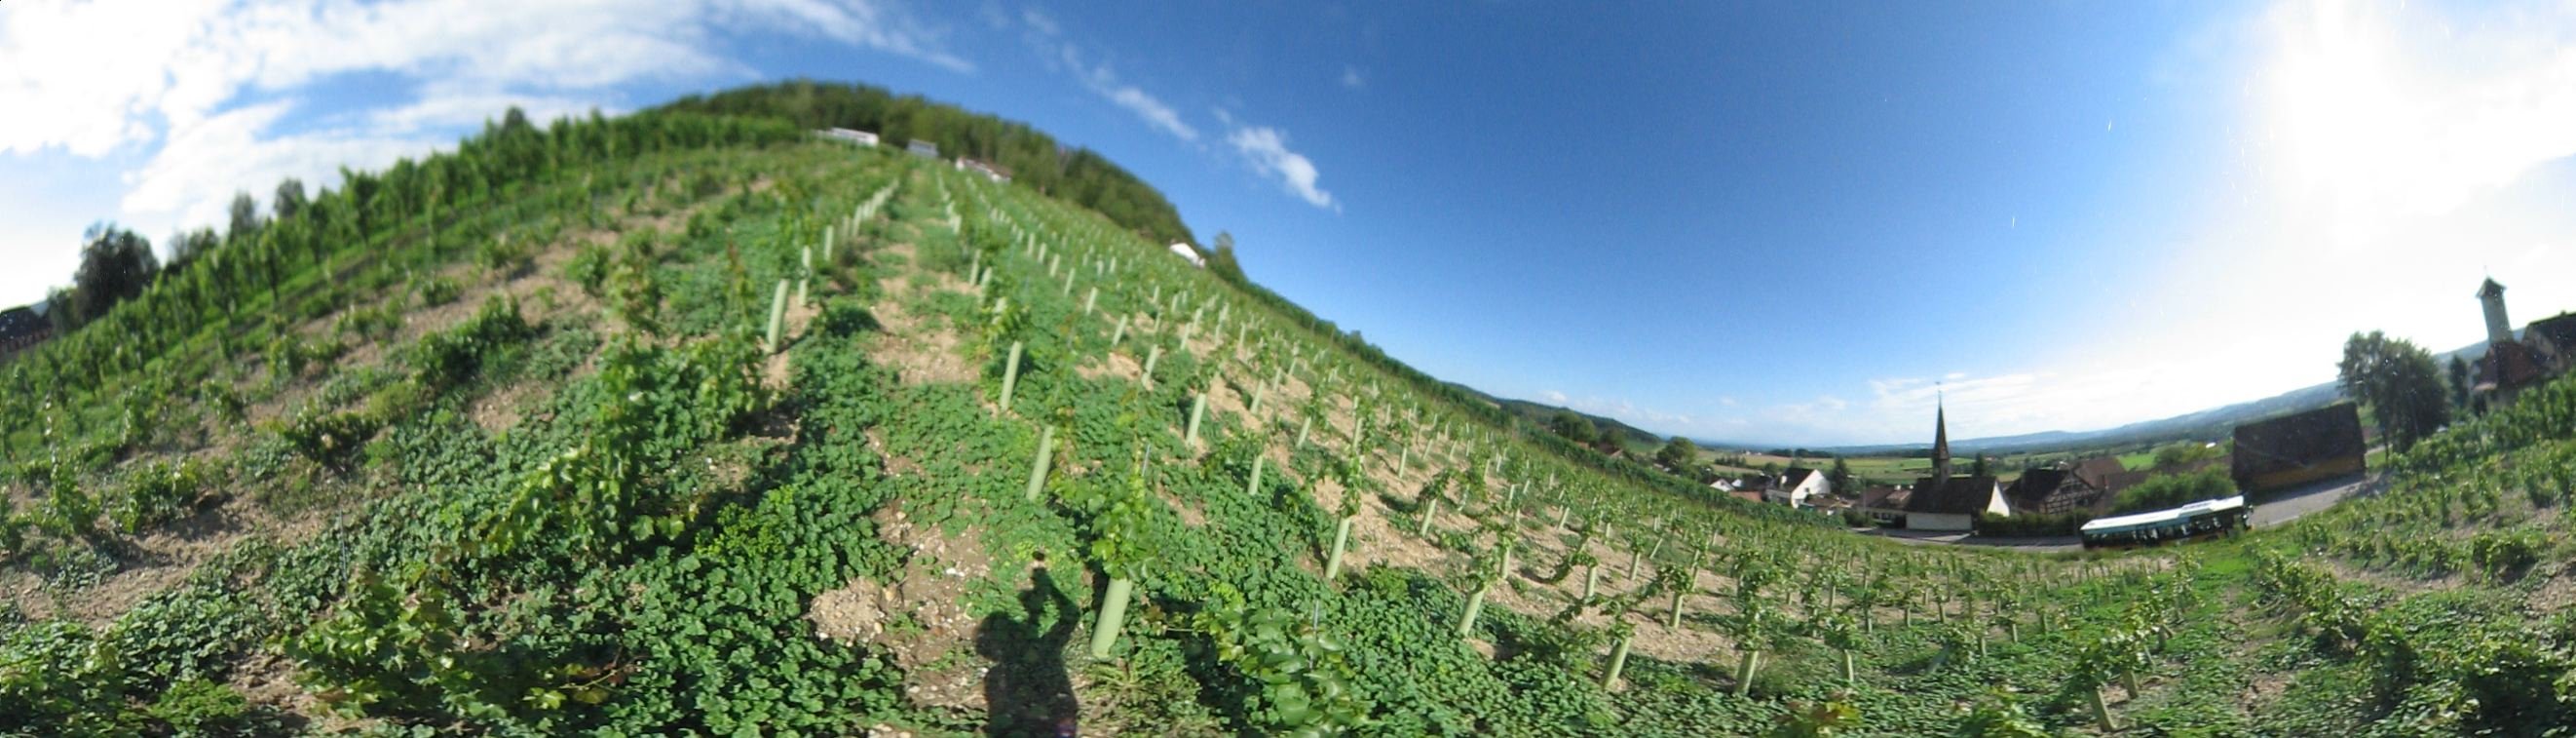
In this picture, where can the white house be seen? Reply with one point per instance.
(1184, 251)
(862, 138)
(1796, 485)
(989, 170)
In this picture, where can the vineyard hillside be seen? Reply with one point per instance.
(693, 422)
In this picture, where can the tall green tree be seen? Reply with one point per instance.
(1573, 427)
(2175, 456)
(115, 266)
(245, 218)
(1680, 454)
(2164, 491)
(2459, 371)
(1221, 259)
(290, 199)
(1840, 476)
(2399, 381)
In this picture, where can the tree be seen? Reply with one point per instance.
(115, 265)
(1980, 467)
(186, 246)
(289, 200)
(2459, 382)
(2179, 455)
(1574, 427)
(245, 217)
(1221, 261)
(1680, 454)
(2164, 491)
(2399, 381)
(1840, 476)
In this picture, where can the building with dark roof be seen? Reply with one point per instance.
(1884, 505)
(1798, 485)
(2511, 365)
(1944, 502)
(1954, 503)
(2052, 492)
(2299, 448)
(2099, 471)
(22, 328)
(2506, 370)
(2552, 341)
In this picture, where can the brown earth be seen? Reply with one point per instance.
(920, 618)
(918, 353)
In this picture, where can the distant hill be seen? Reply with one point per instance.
(2216, 424)
(1631, 437)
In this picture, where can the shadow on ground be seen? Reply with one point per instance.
(1028, 691)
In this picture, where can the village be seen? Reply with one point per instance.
(2325, 448)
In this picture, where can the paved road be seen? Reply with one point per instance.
(2043, 544)
(2269, 511)
(2281, 507)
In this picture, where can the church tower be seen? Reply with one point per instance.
(1940, 441)
(2499, 330)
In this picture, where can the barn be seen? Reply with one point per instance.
(2296, 449)
(22, 327)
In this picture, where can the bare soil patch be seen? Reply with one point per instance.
(918, 353)
(919, 617)
(157, 560)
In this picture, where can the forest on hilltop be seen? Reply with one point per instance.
(1076, 175)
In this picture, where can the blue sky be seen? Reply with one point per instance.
(1770, 222)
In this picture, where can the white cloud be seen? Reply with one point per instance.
(1040, 22)
(214, 81)
(1152, 110)
(1103, 81)
(2382, 165)
(1351, 78)
(1267, 149)
(193, 177)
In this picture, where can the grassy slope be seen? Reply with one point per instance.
(857, 550)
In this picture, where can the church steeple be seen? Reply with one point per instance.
(1940, 439)
(2491, 297)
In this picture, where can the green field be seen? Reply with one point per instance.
(563, 450)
